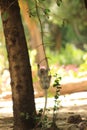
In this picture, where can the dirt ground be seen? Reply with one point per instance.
(70, 105)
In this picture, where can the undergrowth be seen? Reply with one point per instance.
(46, 122)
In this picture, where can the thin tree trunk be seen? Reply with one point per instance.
(78, 85)
(36, 41)
(19, 66)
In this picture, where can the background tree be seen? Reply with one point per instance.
(19, 66)
(36, 42)
(71, 19)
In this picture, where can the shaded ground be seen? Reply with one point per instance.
(69, 105)
(6, 123)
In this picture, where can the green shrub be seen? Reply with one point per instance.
(68, 55)
(83, 66)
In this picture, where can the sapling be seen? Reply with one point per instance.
(56, 97)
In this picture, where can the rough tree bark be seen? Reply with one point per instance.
(19, 66)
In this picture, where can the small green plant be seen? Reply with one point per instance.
(46, 123)
(56, 97)
(43, 121)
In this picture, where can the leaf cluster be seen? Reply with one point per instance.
(42, 7)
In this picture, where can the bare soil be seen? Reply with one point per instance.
(72, 104)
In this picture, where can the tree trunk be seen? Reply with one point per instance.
(77, 85)
(19, 66)
(36, 41)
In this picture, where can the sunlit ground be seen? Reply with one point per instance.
(76, 102)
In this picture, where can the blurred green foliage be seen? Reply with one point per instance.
(83, 66)
(3, 52)
(3, 58)
(68, 18)
(68, 55)
(71, 17)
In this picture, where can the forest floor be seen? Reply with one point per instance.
(71, 104)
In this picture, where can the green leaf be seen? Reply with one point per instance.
(56, 96)
(46, 11)
(58, 2)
